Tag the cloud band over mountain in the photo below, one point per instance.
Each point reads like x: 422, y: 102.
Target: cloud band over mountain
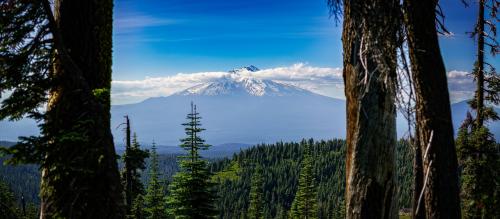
x: 322, y: 80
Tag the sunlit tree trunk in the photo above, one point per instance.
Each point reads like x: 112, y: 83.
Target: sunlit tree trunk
x: 369, y: 43
x: 433, y: 115
x: 80, y: 176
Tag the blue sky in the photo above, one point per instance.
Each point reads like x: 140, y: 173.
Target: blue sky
x: 170, y: 36
x: 161, y: 38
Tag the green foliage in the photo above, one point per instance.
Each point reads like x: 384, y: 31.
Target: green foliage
x: 231, y: 173
x: 304, y: 204
x: 480, y: 179
x: 256, y: 208
x: 190, y: 192
x: 281, y: 165
x: 404, y: 163
x: 25, y: 56
x: 137, y: 210
x: 153, y: 201
x: 102, y: 95
x: 8, y: 206
x: 135, y: 157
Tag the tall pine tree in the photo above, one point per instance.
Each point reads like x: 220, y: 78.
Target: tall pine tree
x: 304, y: 205
x: 477, y: 149
x: 191, y: 194
x: 154, y: 199
x: 255, y: 210
x: 134, y: 162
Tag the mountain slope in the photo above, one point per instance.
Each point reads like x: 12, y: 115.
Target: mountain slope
x: 240, y: 83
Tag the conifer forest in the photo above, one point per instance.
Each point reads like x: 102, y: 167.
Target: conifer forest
x: 362, y: 109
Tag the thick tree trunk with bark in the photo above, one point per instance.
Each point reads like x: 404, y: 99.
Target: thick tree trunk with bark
x: 80, y: 176
x: 433, y: 115
x: 369, y: 43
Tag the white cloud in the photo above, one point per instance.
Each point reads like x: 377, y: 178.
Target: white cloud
x: 461, y: 85
x: 325, y: 81
x: 320, y: 80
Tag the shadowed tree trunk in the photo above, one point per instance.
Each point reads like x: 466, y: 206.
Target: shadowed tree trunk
x: 480, y: 65
x: 418, y: 180
x: 369, y: 43
x: 128, y: 169
x: 80, y: 176
x: 433, y: 115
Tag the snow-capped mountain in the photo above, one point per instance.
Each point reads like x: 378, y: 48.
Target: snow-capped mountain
x: 237, y: 84
x: 235, y: 108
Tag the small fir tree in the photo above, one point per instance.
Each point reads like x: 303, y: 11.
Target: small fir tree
x: 478, y: 155
x: 191, y: 194
x: 255, y: 209
x: 304, y: 204
x: 137, y: 210
x: 154, y: 204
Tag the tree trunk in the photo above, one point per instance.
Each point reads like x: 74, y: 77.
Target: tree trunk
x: 369, y: 43
x: 433, y: 115
x: 80, y: 176
x: 480, y: 66
x: 128, y: 170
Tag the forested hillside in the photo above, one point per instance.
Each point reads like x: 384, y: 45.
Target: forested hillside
x: 281, y: 164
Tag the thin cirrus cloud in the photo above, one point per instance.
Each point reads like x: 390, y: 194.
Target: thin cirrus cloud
x: 321, y: 80
x: 134, y: 22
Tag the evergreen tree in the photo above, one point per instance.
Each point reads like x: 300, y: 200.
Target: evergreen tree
x: 485, y: 75
x: 134, y: 162
x: 8, y: 207
x: 153, y: 201
x: 478, y: 155
x: 305, y: 203
x: 477, y: 151
x: 255, y: 209
x: 191, y: 194
x: 137, y: 210
x: 58, y: 54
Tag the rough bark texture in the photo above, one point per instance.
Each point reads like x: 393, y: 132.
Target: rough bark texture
x: 80, y: 176
x: 369, y: 43
x: 433, y: 114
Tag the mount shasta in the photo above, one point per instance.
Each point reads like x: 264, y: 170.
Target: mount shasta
x: 235, y: 108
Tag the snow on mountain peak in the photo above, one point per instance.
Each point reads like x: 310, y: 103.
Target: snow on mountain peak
x: 250, y: 68
x: 236, y: 83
